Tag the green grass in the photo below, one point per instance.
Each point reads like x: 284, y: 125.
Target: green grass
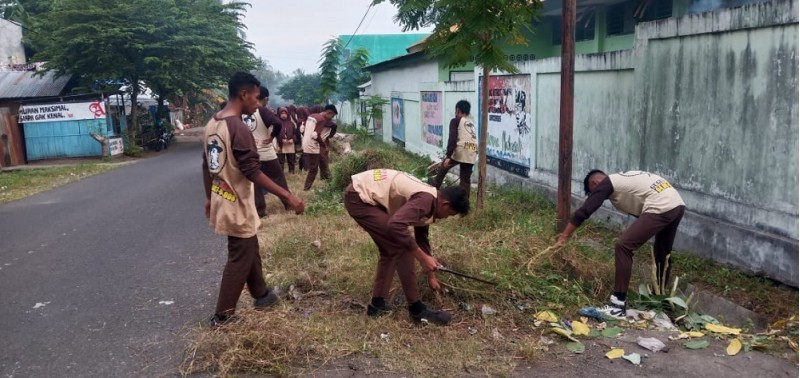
x: 25, y: 182
x: 498, y: 243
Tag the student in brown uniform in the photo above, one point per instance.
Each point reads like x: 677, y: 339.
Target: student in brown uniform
x: 315, y: 142
x: 286, y: 154
x: 302, y: 116
x: 266, y: 131
x: 659, y: 209
x: 230, y: 168
x: 386, y: 203
x: 462, y: 147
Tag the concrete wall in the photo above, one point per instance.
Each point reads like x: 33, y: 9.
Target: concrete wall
x: 11, y: 49
x: 708, y: 100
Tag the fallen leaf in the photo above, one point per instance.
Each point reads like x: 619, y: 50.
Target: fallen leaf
x: 696, y: 344
x: 734, y: 347
x: 615, y: 353
x: 722, y: 329
x: 580, y: 328
x: 585, y: 320
x: 695, y: 334
x: 634, y: 358
x: 546, y: 316
x: 576, y: 348
x: 611, y: 332
x: 565, y: 333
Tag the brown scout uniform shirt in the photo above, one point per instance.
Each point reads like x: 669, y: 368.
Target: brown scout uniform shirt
x: 632, y: 192
x: 407, y: 200
x: 231, y: 160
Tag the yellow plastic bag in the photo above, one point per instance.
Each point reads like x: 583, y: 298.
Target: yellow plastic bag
x: 734, y: 347
x: 722, y: 329
x: 580, y: 328
x: 615, y: 353
x: 546, y: 316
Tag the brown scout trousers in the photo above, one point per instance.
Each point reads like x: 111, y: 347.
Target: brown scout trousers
x: 243, y: 266
x: 664, y: 227
x: 316, y: 163
x: 287, y: 158
x: 273, y: 170
x: 464, y: 174
x: 392, y: 255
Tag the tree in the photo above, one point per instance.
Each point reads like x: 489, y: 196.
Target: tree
x: 471, y: 28
x: 171, y: 45
x: 272, y: 79
x: 303, y: 89
x: 353, y: 74
x: 329, y: 66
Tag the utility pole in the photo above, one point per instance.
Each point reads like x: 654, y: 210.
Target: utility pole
x: 564, y: 199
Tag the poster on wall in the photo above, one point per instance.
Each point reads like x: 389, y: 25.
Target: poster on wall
x: 432, y: 127
x: 62, y: 112
x: 398, y: 120
x: 508, y: 145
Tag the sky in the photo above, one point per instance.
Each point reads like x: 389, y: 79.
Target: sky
x: 290, y: 34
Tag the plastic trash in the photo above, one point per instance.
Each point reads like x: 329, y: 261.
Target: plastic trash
x: 651, y: 343
x: 591, y: 312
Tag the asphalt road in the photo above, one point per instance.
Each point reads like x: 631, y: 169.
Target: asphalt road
x: 104, y: 277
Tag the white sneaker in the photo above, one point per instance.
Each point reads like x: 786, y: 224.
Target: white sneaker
x: 615, y: 308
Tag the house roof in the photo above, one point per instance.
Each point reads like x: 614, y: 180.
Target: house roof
x: 396, y: 61
x: 27, y: 84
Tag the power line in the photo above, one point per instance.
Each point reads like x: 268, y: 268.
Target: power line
x: 357, y: 27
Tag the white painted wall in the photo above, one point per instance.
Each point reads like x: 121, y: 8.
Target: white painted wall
x: 11, y: 49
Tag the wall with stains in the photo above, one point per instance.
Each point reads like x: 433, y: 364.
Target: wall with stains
x: 710, y: 101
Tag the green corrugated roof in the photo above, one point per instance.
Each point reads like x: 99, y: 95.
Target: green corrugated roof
x: 382, y: 47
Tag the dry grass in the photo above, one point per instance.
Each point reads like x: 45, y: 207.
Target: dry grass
x: 321, y: 321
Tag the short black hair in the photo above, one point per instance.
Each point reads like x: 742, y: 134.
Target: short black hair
x: 241, y: 81
x: 223, y: 104
x: 458, y: 197
x: 586, y: 180
x: 263, y: 92
x: 464, y: 106
x: 332, y: 108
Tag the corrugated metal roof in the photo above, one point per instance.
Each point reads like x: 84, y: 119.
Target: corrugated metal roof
x: 26, y: 84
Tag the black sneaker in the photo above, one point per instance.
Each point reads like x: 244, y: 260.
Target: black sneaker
x: 375, y: 312
x: 268, y: 300
x: 432, y: 316
x: 219, y: 320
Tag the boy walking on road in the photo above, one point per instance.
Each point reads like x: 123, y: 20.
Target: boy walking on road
x: 230, y: 168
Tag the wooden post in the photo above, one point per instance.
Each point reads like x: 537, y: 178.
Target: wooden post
x: 564, y: 200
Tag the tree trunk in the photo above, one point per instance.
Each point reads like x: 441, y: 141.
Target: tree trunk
x: 135, y: 107
x: 482, y: 139
x: 565, y: 136
x: 160, y: 112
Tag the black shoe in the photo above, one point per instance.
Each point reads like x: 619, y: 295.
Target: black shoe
x: 431, y: 316
x: 219, y: 320
x: 268, y: 300
x: 375, y: 312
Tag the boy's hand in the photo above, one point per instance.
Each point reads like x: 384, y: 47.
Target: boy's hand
x: 561, y: 239
x: 297, y: 204
x: 433, y: 282
x: 208, y: 209
x: 429, y: 263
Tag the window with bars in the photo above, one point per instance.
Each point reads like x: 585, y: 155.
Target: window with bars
x: 619, y: 18
x: 656, y: 10
x: 584, y: 28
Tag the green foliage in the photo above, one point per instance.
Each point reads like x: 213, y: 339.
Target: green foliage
x: 469, y: 28
x: 272, y: 79
x: 374, y: 109
x: 174, y: 46
x: 353, y: 74
x: 329, y: 66
x: 302, y: 88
